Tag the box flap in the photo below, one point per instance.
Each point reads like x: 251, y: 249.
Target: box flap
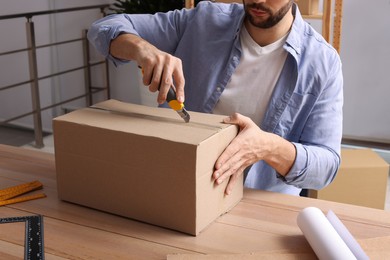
x: 148, y: 121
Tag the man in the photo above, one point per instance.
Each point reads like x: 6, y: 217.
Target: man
x: 260, y: 63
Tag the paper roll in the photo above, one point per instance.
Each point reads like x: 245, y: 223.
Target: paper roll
x: 346, y: 236
x: 322, y: 237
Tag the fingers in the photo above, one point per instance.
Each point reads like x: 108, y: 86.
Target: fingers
x: 238, y: 119
x: 230, y: 169
x: 159, y: 72
x: 164, y: 83
x: 231, y: 176
x: 239, y: 154
x: 160, y: 68
x: 179, y: 82
x: 236, y: 144
x: 232, y: 182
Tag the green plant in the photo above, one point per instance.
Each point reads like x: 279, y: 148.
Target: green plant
x: 146, y: 6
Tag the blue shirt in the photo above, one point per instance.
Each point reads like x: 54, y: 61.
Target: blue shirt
x: 305, y: 108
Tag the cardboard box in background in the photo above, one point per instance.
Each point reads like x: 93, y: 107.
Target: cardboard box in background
x: 361, y: 180
x: 308, y: 7
x: 144, y: 163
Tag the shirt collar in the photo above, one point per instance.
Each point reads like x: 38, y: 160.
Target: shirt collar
x: 239, y: 24
x: 294, y: 38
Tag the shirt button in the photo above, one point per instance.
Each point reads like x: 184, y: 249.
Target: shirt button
x: 235, y: 60
x: 219, y: 89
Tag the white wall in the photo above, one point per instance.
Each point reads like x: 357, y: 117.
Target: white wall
x: 365, y: 52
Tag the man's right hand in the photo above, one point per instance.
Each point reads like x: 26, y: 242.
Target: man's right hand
x: 161, y: 70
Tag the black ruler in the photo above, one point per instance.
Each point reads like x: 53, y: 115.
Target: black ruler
x: 33, y: 242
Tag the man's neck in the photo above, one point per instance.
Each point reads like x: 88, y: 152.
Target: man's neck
x: 264, y: 37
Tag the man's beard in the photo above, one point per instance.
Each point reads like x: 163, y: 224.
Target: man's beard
x: 273, y: 18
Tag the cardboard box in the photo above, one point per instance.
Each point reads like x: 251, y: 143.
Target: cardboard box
x: 361, y: 180
x: 144, y: 163
x: 308, y: 7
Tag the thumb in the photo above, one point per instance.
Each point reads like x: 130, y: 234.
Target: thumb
x: 236, y: 119
x: 231, y: 119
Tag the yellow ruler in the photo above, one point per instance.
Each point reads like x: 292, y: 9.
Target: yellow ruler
x: 10, y: 195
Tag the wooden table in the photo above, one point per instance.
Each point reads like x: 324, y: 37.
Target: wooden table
x: 263, y: 223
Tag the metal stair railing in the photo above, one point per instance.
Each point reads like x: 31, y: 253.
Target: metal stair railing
x: 90, y: 90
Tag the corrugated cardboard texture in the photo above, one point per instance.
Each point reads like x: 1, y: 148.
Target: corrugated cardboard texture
x: 144, y: 163
x: 361, y: 180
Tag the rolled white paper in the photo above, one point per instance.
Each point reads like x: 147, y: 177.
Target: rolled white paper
x: 322, y: 237
x: 346, y: 236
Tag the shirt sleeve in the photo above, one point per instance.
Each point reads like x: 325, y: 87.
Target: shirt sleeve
x: 162, y: 30
x: 104, y: 30
x: 318, y: 151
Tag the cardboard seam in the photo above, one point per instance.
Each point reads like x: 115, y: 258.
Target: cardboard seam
x: 157, y: 118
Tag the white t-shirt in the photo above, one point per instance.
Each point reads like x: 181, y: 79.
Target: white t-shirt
x: 251, y: 85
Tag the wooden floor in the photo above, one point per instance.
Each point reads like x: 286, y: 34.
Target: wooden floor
x: 16, y: 136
